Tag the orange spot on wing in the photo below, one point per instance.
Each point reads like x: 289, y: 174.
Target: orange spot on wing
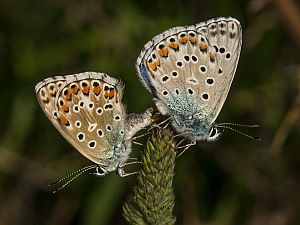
x: 183, y: 40
x: 67, y: 96
x: 110, y: 93
x: 64, y: 120
x: 152, y: 66
x: 163, y: 52
x: 64, y: 108
x: 174, y: 45
x: 86, y: 90
x: 212, y: 57
x: 193, y: 40
x: 203, y: 46
x: 74, y: 90
x: 97, y: 90
x: 157, y: 63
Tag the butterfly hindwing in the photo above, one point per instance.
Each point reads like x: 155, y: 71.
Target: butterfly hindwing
x: 189, y: 69
x: 86, y: 109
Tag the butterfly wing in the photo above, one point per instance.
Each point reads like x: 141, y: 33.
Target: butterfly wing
x: 86, y: 109
x: 190, y: 69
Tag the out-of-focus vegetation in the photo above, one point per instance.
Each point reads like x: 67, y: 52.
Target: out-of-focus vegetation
x: 232, y: 181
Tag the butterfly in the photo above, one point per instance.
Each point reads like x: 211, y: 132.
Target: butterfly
x: 87, y: 110
x: 189, y: 71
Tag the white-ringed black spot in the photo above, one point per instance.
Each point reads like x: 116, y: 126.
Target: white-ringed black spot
x: 92, y: 144
x: 73, y: 86
x: 172, y: 39
x: 117, y: 117
x: 59, y: 84
x: 61, y: 102
x: 209, y: 81
x: 66, y: 91
x: 100, y: 133
x: 194, y: 58
x: 161, y: 46
x: 212, y: 26
x: 202, y: 39
x: 51, y: 86
x: 174, y: 73
x: 84, y: 84
x: 179, y: 64
x: 77, y: 123
x: 122, y: 132
x: 192, y: 34
x: 202, y: 69
x: 165, y: 78
x: 190, y: 91
x: 108, y: 106
x: 205, y: 96
x: 177, y: 91
x: 80, y: 136
x: 227, y: 56
x: 222, y: 50
x: 99, y: 111
x: 182, y: 35
x: 165, y: 93
x: 108, y: 127
x: 106, y: 88
x: 55, y: 114
x: 186, y: 58
x: 96, y: 84
x: 220, y: 71
x: 222, y: 25
x: 153, y: 56
x: 76, y: 108
x: 91, y: 105
x: 81, y: 104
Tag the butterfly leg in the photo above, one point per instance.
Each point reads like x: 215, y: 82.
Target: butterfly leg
x: 122, y: 173
x: 121, y: 166
x: 159, y: 124
x: 185, y: 147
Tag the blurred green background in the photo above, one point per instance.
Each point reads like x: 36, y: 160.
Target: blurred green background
x: 232, y: 181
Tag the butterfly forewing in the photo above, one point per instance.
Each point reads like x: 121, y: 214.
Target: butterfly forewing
x: 190, y: 69
x: 86, y: 109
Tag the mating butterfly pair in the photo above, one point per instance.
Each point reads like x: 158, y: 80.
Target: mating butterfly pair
x: 189, y: 71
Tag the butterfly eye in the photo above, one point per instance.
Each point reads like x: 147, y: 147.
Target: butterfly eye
x: 213, y: 134
x: 100, y: 171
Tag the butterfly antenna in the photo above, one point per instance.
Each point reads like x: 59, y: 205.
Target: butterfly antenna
x: 72, y: 177
x: 239, y: 125
x: 239, y: 132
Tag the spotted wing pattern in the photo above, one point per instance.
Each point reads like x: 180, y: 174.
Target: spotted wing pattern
x: 189, y: 69
x: 86, y: 109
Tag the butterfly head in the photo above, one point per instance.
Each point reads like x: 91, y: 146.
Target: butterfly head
x: 196, y: 129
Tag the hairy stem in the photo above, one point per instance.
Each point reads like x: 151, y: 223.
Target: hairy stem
x: 152, y: 199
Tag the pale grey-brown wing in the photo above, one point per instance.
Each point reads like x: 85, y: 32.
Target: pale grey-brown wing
x: 86, y: 109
